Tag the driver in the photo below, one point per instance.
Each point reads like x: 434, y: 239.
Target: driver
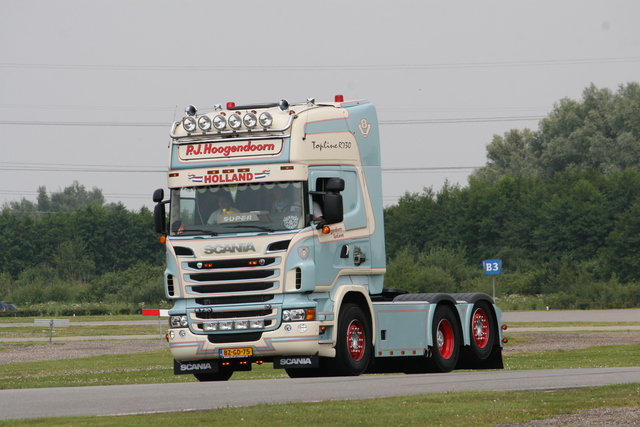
x: 224, y: 202
x: 282, y: 203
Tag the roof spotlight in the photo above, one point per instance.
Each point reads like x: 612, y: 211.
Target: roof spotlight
x: 204, y: 123
x: 219, y: 122
x: 266, y: 119
x: 250, y: 120
x: 235, y: 121
x: 189, y: 124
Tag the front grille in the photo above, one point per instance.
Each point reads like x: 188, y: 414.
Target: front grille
x: 170, y: 288
x: 232, y: 275
x: 232, y: 287
x: 233, y: 300
x: 237, y: 314
x: 182, y: 251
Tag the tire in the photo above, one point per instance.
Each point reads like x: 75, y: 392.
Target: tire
x: 223, y: 375
x: 353, y: 346
x: 483, y: 331
x: 446, y: 339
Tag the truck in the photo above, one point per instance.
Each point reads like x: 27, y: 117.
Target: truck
x: 275, y: 252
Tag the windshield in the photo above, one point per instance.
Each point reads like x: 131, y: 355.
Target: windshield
x: 236, y: 208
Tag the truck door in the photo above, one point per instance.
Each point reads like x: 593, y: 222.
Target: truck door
x: 342, y: 252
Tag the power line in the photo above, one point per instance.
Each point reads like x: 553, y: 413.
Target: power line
x: 460, y: 120
x: 429, y: 169
x: 84, y: 107
x: 44, y: 167
x: 369, y: 67
x: 88, y: 124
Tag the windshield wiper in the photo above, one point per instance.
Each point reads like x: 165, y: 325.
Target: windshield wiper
x: 259, y: 227
x: 197, y: 230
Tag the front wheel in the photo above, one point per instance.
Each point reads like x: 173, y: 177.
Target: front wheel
x: 353, y: 347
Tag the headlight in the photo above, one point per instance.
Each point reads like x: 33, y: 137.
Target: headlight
x: 204, y: 123
x: 208, y: 327
x: 229, y: 325
x: 298, y: 314
x: 266, y: 120
x: 235, y: 121
x: 241, y: 324
x: 250, y: 120
x: 189, y: 124
x: 225, y: 326
x: 256, y: 324
x: 219, y: 122
x: 178, y: 321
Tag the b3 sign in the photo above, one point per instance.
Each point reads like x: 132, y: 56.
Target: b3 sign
x: 492, y: 266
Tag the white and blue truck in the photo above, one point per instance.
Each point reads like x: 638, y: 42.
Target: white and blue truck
x: 275, y: 250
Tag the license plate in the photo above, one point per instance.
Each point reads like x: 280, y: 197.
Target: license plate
x: 235, y: 352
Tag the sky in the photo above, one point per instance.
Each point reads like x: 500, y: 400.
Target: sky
x: 89, y: 89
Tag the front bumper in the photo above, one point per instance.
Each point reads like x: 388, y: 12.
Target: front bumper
x: 291, y: 338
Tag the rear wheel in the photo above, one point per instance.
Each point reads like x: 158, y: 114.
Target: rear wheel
x: 483, y: 330
x: 446, y: 337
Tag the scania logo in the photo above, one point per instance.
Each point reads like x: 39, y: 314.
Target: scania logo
x: 296, y: 361
x: 194, y: 366
x: 229, y: 248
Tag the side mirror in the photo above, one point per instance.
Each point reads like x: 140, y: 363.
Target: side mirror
x: 158, y: 195
x: 159, y: 212
x: 335, y: 185
x: 333, y: 210
x: 159, y: 217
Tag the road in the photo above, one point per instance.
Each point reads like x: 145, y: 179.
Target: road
x: 136, y: 399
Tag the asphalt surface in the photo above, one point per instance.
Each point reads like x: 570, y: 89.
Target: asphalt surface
x: 137, y: 399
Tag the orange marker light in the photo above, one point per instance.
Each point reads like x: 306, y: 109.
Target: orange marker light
x: 162, y: 239
x: 326, y: 229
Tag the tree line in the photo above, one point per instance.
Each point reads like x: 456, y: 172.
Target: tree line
x: 72, y: 247
x: 559, y: 205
